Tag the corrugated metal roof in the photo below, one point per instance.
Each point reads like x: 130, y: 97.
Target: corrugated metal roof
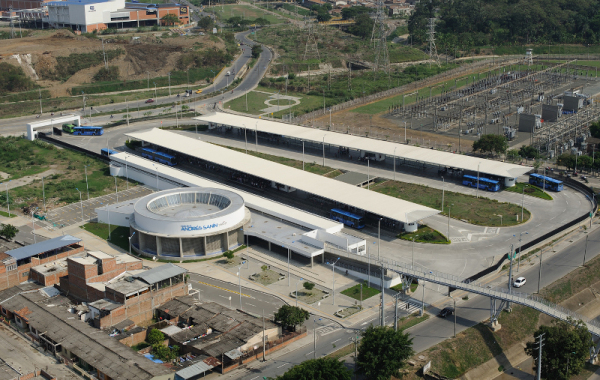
x: 370, y: 201
x: 194, y: 370
x: 390, y: 149
x: 44, y: 246
x: 154, y: 275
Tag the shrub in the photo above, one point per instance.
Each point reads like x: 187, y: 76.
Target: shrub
x: 155, y: 337
x: 308, y: 285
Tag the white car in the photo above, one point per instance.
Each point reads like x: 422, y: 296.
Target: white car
x: 519, y: 282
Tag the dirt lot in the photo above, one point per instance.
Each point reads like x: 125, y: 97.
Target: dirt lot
x: 153, y: 53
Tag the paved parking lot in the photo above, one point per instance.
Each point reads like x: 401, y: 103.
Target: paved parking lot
x: 85, y: 211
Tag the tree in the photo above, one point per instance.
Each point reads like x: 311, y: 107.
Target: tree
x: 291, y: 316
x: 169, y: 19
x: 363, y: 26
x: 256, y: 50
x: 323, y: 17
x: 165, y: 353
x: 229, y: 255
x: 512, y: 154
x: 319, y: 369
x: 564, y: 340
x: 528, y: 151
x: 584, y: 162
x: 8, y: 231
x: 308, y: 285
x: 382, y: 352
x: 566, y: 159
x: 107, y: 74
x: 262, y: 21
x: 155, y: 336
x: 491, y: 143
x: 206, y: 23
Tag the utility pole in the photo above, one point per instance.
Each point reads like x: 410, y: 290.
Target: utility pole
x: 539, y: 361
x: 263, y: 318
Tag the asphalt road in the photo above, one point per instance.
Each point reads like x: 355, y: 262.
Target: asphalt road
x: 425, y: 334
x: 16, y: 126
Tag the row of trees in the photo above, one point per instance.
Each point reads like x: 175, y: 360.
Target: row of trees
x: 239, y: 22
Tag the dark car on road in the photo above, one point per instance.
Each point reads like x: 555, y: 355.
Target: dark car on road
x: 446, y: 312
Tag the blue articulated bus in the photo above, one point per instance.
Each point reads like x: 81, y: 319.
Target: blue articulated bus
x: 348, y: 218
x: 484, y: 183
x: 161, y: 157
x: 107, y: 152
x: 88, y: 131
x: 547, y: 182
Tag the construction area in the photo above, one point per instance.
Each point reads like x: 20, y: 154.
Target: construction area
x: 549, y: 106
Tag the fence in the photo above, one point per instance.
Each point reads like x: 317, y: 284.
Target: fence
x: 44, y: 136
x: 589, y: 193
x: 406, y: 88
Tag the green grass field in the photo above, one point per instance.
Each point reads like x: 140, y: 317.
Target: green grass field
x: 527, y: 189
x: 256, y: 102
x: 296, y: 9
x: 385, y: 104
x: 20, y: 157
x: 479, y: 211
x: 245, y: 11
x: 425, y: 234
x: 119, y: 236
x: 367, y: 292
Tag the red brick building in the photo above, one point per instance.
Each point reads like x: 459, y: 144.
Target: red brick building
x: 16, y: 264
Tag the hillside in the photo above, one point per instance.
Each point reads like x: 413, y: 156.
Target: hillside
x: 469, y: 23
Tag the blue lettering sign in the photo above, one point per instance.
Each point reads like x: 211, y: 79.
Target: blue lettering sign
x: 199, y: 228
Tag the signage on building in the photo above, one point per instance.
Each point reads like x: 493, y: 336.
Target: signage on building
x: 92, y: 8
x: 188, y: 227
x: 183, y: 10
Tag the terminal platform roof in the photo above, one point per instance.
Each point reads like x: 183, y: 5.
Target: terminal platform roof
x: 429, y: 156
x: 371, y: 201
x: 255, y: 202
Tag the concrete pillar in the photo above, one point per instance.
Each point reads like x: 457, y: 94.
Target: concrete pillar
x: 269, y: 246
x: 180, y: 248
x: 204, y: 240
x: 158, y: 246
x: 323, y: 258
x: 312, y: 262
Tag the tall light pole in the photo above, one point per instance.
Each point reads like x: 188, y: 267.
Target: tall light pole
x: 300, y: 280
x: 156, y: 169
x: 520, y: 247
x: 379, y: 238
x: 246, y: 137
x: 116, y: 190
x: 86, y: 181
x: 405, y: 132
x: 454, y: 299
x: 443, y: 191
x: 130, y: 242
x: 33, y: 227
x: 315, y: 339
x: 80, y: 204
x: 323, y: 150
x: 523, y: 203
x: 448, y: 223
x: 126, y: 172
x: 239, y: 273
x: 333, y: 272
x: 44, y: 193
x: 169, y: 83
x: 395, y: 166
x: 477, y: 189
x: 7, y: 200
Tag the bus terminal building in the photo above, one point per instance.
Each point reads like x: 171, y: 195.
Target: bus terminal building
x: 390, y: 154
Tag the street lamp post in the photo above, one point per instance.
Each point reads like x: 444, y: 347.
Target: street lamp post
x: 7, y: 199
x: 520, y: 247
x: 333, y: 273
x: 379, y: 238
x: 315, y: 339
x: 33, y: 227
x: 395, y: 165
x: 126, y: 172
x: 443, y: 192
x: 300, y: 280
x: 323, y: 150
x: 80, y: 203
x: 156, y: 169
x: 239, y: 273
x: 454, y: 299
x: 44, y: 194
x: 116, y: 189
x: 86, y: 181
x: 477, y: 190
x: 130, y: 242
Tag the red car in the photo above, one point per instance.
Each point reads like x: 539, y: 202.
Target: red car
x: 150, y: 101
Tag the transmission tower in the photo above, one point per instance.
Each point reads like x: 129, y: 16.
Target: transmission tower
x: 312, y: 49
x: 382, y: 58
x: 433, y: 54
